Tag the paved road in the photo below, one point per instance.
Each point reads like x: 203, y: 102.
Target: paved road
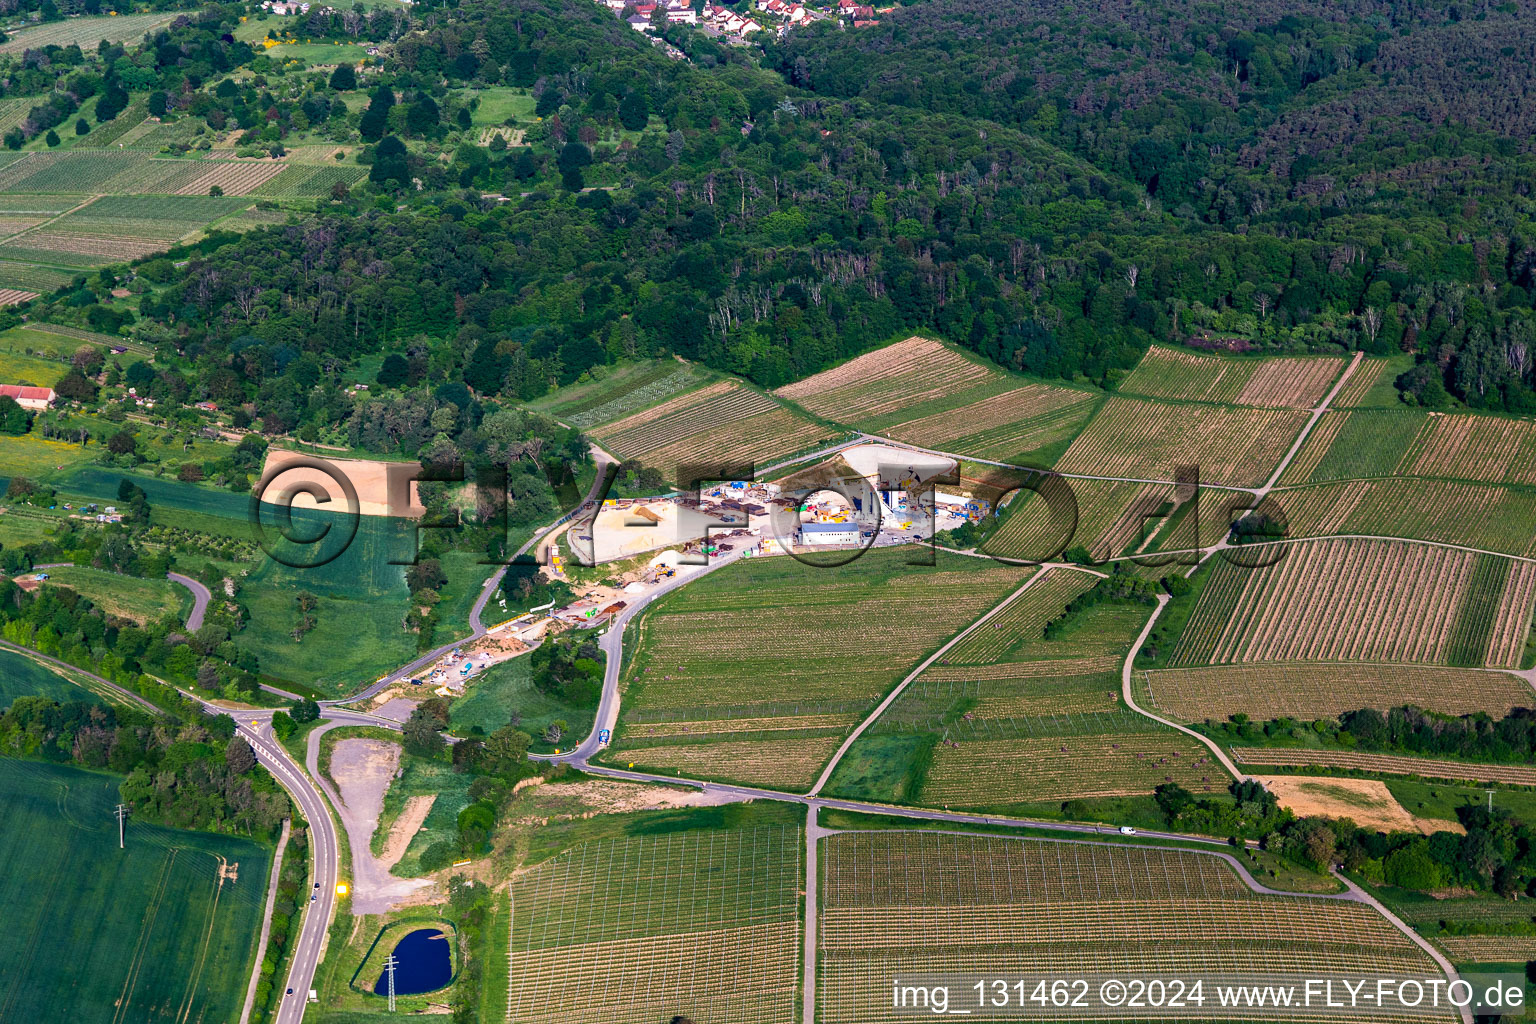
x: 200, y: 598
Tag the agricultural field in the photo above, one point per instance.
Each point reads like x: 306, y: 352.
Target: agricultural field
x: 307, y: 181
x: 161, y: 931
x: 36, y: 456
x: 702, y: 924
x: 888, y: 384
x: 801, y: 651
x: 1490, y: 516
x: 127, y: 597
x: 1386, y: 764
x: 1112, y: 518
x: 1148, y: 440
x: 1488, y: 949
x: 988, y: 762
x: 621, y: 391
x: 913, y: 903
x: 1373, y: 385
x: 1030, y: 421
x: 722, y: 424
x: 496, y: 105
x: 1473, y: 447
x: 87, y: 32
x: 27, y: 277
x: 1179, y: 375
x: 1022, y: 620
x: 20, y: 676
x: 17, y: 368
x: 1364, y: 600
x: 1310, y: 690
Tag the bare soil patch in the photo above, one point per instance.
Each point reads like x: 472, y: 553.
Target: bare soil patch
x: 1367, y: 802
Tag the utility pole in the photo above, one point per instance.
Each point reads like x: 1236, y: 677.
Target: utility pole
x: 1490, y: 801
x: 389, y: 970
x: 122, y: 812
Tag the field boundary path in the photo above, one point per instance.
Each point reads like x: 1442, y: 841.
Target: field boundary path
x: 129, y: 694
x: 1128, y: 669
x: 200, y: 599
x: 266, y: 923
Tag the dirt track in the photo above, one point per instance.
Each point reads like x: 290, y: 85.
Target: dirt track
x: 363, y: 769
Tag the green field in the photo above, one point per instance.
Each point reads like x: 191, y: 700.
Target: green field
x: 148, y: 933
x: 504, y: 690
x: 20, y: 676
x: 35, y: 456
x: 1357, y: 443
x: 16, y: 368
x: 499, y: 103
x: 126, y: 596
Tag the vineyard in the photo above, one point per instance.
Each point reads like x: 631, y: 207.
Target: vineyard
x: 621, y: 392
x: 724, y: 424
x: 1490, y: 516
x: 1488, y: 949
x: 1362, y: 600
x: 1034, y: 760
x: 1004, y: 426
x: 1111, y: 517
x: 702, y: 924
x: 1474, y: 448
x: 306, y: 181
x: 1022, y: 620
x: 1147, y: 440
x: 908, y: 904
x: 1175, y: 374
x: 1310, y: 690
x: 1387, y: 764
x: 732, y: 646
x: 1348, y: 445
x: 86, y: 33
x: 790, y: 763
x: 890, y: 380
x: 233, y: 179
x: 118, y: 227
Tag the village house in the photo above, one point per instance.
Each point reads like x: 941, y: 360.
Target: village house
x: 28, y: 397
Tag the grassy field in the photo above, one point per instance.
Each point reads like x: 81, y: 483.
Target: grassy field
x: 915, y: 903
x: 420, y: 778
x: 779, y: 658
x: 35, y: 456
x: 151, y: 933
x: 1177, y: 374
x: 698, y: 923
x: 20, y: 676
x: 126, y: 596
x: 499, y: 103
x: 506, y: 690
x: 16, y: 368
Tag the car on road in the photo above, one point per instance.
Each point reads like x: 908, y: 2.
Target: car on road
x: 290, y: 991
x: 1126, y: 830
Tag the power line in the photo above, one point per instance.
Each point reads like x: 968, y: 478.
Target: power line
x: 389, y: 971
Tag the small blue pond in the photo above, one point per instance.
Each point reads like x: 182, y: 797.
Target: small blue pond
x: 424, y: 962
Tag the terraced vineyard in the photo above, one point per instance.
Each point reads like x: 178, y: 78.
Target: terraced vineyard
x: 1358, y: 600
x: 703, y: 924
x: 1311, y: 690
x: 909, y: 904
x: 1491, y: 516
x: 723, y: 424
x: 1388, y: 764
x: 1170, y: 373
x: 1148, y: 440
